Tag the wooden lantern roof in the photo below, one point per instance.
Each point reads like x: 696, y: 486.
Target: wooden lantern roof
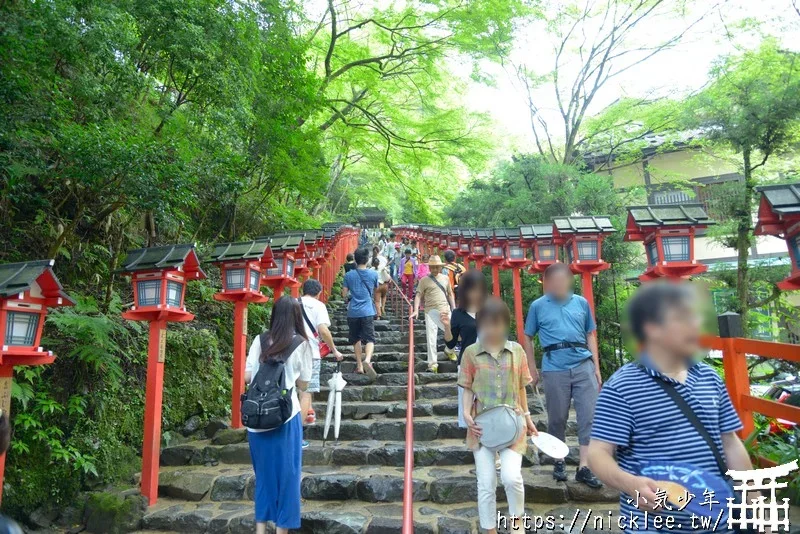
x: 286, y: 242
x: 483, y: 234
x: 16, y: 278
x: 582, y: 225
x: 240, y: 250
x: 779, y: 207
x: 642, y: 219
x: 168, y: 257
x: 536, y: 231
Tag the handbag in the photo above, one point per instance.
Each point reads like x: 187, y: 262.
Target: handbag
x: 501, y: 427
x: 687, y: 411
x: 324, y: 349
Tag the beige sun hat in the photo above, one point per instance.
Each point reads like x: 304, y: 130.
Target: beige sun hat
x: 435, y: 261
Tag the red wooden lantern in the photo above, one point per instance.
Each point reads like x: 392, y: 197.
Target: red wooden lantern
x: 583, y: 242
x: 241, y: 265
x: 496, y: 256
x: 516, y: 259
x: 452, y: 239
x: 282, y: 250
x: 464, y: 240
x: 779, y: 215
x: 545, y: 250
x: 480, y: 239
x: 27, y: 289
x: 159, y: 276
x: 442, y: 235
x: 667, y: 232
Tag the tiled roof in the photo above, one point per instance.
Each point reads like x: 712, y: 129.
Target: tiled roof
x: 669, y: 215
x: 784, y: 199
x: 583, y: 224
x: 168, y: 256
x: 241, y: 250
x: 19, y: 277
x: 536, y: 231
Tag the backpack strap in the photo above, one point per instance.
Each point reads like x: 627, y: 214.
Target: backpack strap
x: 687, y: 411
x: 265, y: 341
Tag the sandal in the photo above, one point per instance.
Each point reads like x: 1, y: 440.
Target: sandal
x: 433, y: 368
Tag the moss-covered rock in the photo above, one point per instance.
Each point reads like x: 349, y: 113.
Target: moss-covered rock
x: 114, y: 513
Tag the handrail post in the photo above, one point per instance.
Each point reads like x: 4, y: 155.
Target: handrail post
x: 734, y: 363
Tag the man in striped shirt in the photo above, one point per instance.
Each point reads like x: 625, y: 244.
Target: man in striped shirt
x: 635, y: 420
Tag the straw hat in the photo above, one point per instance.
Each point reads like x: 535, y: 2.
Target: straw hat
x: 435, y: 261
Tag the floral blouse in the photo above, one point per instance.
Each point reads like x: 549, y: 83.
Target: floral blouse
x: 494, y: 381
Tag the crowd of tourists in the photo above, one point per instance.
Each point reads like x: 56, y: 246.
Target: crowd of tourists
x: 633, y: 418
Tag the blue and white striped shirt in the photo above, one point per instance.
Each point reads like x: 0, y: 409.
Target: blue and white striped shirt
x: 637, y: 416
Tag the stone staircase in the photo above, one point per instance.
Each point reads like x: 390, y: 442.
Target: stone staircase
x: 356, y: 485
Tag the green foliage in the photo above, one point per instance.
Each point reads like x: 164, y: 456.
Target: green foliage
x: 530, y: 189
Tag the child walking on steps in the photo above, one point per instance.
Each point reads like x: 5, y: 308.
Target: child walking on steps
x: 494, y: 373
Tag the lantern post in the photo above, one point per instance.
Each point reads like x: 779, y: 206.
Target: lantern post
x: 480, y: 238
x: 668, y: 233
x: 779, y: 216
x: 281, y: 253
x: 463, y: 250
x: 242, y: 267
x: 301, y: 269
x: 517, y: 259
x: 27, y: 290
x: 159, y: 276
x: 583, y: 242
x: 495, y: 256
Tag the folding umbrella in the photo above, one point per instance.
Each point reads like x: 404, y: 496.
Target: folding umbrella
x: 335, y: 385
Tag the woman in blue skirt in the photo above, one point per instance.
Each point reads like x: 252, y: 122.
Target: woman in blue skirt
x: 277, y: 454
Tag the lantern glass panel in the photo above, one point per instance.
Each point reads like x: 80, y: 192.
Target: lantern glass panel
x: 174, y: 293
x: 652, y: 253
x: 254, y: 279
x: 794, y: 242
x: 278, y: 269
x: 465, y: 247
x: 478, y: 249
x: 547, y: 252
x: 234, y: 278
x: 676, y: 248
x: 587, y: 250
x: 516, y: 253
x: 149, y: 292
x: 570, y: 254
x: 496, y: 252
x: 21, y: 328
x: 454, y: 244
x: 290, y: 268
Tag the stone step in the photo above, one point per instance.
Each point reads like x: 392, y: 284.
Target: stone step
x: 369, y: 483
x: 378, y: 442
x: 340, y: 517
x: 397, y: 410
x: 353, y: 393
x: 393, y: 379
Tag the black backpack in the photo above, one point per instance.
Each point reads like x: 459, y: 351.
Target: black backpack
x: 267, y: 404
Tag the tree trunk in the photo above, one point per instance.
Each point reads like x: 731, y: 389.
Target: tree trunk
x: 743, y: 239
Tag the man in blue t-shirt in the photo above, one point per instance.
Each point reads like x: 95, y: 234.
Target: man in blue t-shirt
x: 359, y: 286
x: 636, y: 421
x: 570, y: 362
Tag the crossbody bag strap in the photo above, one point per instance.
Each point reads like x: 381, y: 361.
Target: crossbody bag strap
x: 305, y: 316
x: 687, y: 411
x: 364, y: 283
x: 440, y: 286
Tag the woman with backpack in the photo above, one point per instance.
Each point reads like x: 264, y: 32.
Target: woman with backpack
x: 283, y: 352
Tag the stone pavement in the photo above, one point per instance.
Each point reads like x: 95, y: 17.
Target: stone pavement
x: 355, y: 485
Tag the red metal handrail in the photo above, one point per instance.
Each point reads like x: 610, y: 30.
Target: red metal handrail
x: 734, y: 361
x: 398, y: 297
